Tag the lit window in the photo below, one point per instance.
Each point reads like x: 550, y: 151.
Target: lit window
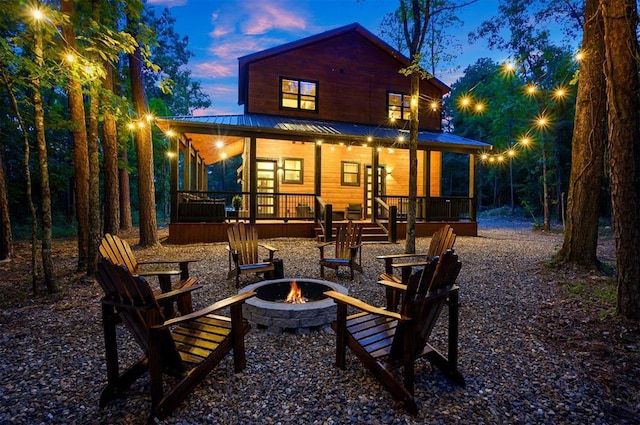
x: 398, y: 106
x: 293, y: 171
x: 298, y: 94
x: 350, y: 173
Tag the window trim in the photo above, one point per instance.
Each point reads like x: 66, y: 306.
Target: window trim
x: 404, y: 98
x: 299, y: 95
x: 342, y: 173
x: 301, y: 171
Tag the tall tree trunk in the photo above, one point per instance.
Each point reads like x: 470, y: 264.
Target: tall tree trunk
x: 144, y: 144
x: 80, y: 145
x: 587, y: 148
x: 47, y: 259
x: 94, y: 181
x: 125, y: 193
x: 621, y: 72
x: 110, y: 164
x: 410, y: 243
x: 27, y: 173
x: 6, y: 238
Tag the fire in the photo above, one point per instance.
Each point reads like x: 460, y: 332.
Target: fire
x: 295, y: 295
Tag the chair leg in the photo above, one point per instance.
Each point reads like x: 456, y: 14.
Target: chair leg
x: 341, y: 332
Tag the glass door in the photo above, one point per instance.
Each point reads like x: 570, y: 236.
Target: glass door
x: 368, y: 188
x: 266, y: 180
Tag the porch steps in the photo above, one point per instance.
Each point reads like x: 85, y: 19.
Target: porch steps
x: 371, y: 232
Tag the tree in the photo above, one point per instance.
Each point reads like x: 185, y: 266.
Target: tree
x: 620, y: 19
x: 414, y: 17
x: 80, y: 142
x: 588, y: 146
x: 144, y: 147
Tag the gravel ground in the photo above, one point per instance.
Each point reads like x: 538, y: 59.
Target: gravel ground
x: 52, y: 367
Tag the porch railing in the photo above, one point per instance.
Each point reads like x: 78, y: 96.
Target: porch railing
x: 432, y: 208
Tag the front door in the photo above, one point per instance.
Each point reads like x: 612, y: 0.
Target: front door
x: 368, y: 188
x: 266, y: 180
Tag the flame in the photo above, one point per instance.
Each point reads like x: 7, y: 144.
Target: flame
x: 295, y: 295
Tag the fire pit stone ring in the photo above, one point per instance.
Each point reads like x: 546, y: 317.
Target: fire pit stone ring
x: 269, y: 311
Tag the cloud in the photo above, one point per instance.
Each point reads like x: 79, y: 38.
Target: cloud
x: 234, y: 46
x: 212, y: 69
x: 264, y: 17
x: 167, y: 3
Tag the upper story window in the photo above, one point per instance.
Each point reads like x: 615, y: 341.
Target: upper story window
x: 398, y: 106
x: 298, y: 94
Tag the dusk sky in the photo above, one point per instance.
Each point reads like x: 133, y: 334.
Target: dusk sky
x: 221, y: 31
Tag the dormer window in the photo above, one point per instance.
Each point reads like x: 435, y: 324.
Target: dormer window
x: 298, y: 94
x: 398, y: 106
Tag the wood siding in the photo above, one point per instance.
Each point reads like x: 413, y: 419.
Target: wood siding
x: 353, y: 76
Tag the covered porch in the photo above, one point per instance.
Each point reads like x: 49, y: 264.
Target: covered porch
x: 296, y: 178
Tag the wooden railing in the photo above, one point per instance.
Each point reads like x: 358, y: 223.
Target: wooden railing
x: 325, y: 218
x: 387, y: 218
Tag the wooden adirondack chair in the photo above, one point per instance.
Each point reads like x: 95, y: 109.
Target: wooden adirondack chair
x: 348, y: 249
x: 119, y: 252
x: 187, y: 347
x: 386, y: 341
x: 442, y: 239
x: 243, y: 252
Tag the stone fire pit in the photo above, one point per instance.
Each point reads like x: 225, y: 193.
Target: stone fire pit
x: 269, y: 311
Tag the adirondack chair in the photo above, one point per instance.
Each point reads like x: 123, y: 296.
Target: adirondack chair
x: 119, y: 252
x: 348, y: 249
x: 442, y: 239
x: 243, y: 252
x: 387, y: 341
x: 187, y: 347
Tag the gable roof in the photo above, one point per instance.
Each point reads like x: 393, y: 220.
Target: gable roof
x: 245, y: 61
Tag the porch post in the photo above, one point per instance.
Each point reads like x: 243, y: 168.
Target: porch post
x: 473, y: 201
x: 317, y: 188
x: 186, y: 177
x: 427, y: 184
x: 173, y: 179
x: 253, y: 182
x: 375, y: 161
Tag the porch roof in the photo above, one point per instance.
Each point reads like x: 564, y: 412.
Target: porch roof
x: 286, y: 128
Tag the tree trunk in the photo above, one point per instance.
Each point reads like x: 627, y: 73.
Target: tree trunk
x: 80, y: 146
x: 94, y: 181
x: 587, y: 148
x: 6, y: 238
x: 27, y: 173
x: 110, y: 164
x: 621, y: 72
x: 125, y: 193
x: 410, y: 243
x: 38, y: 121
x: 144, y: 144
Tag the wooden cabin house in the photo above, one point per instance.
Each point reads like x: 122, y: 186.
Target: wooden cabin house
x: 324, y: 137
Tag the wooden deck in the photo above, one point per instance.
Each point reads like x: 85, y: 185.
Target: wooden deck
x: 190, y: 233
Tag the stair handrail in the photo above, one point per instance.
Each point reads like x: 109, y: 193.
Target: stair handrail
x: 325, y: 218
x: 391, y: 226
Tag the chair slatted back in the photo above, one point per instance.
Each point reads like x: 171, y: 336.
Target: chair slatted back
x: 134, y: 300
x: 119, y: 252
x: 243, y: 239
x: 442, y: 239
x: 424, y: 300
x: 348, y: 235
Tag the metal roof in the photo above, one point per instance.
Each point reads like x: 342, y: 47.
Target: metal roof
x: 311, y: 129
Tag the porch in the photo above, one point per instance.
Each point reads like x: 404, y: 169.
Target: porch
x: 204, y: 216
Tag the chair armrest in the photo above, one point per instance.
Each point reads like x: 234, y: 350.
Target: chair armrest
x: 361, y: 305
x: 323, y: 244
x: 167, y: 261
x: 412, y: 264
x: 268, y: 247
x: 394, y: 285
x: 227, y: 302
x: 177, y: 292
x: 157, y: 273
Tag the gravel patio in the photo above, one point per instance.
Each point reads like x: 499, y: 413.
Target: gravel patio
x: 526, y: 348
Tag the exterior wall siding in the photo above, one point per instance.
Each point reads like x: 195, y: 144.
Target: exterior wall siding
x: 353, y: 76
